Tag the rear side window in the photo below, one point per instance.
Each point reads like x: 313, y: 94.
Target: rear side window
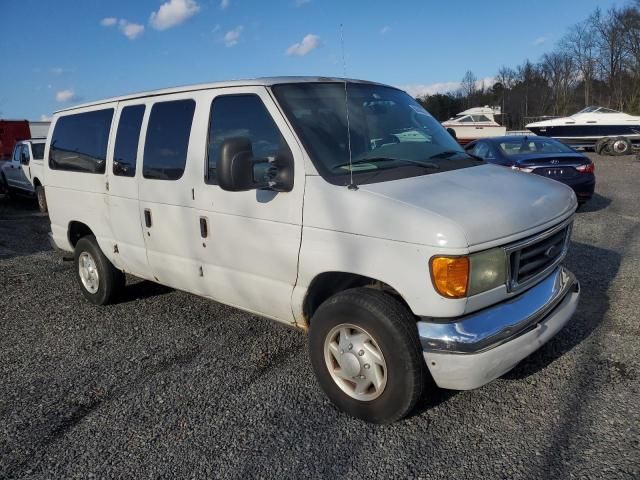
x: 165, y: 149
x: 125, y: 151
x: 241, y: 116
x: 37, y: 149
x: 79, y: 142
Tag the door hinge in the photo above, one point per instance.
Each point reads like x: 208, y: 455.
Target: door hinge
x: 201, y: 271
x: 115, y: 248
x: 106, y: 185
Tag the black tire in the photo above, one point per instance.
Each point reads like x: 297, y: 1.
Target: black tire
x: 111, y: 281
x: 393, y: 328
x: 42, y: 200
x: 620, y: 146
x: 452, y: 132
x: 602, y: 146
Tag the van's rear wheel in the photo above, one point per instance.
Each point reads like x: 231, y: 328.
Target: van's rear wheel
x: 42, y: 200
x: 99, y: 280
x: 366, y: 354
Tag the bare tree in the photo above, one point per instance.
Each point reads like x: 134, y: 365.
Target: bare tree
x: 580, y: 44
x: 468, y: 86
x: 558, y: 69
x: 506, y: 78
x: 611, y: 51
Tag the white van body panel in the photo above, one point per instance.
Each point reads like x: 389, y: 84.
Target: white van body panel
x: 123, y: 206
x: 79, y: 197
x: 250, y: 256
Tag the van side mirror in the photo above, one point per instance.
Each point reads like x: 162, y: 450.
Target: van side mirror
x: 238, y: 170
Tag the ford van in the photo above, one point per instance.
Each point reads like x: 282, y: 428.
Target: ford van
x: 339, y: 207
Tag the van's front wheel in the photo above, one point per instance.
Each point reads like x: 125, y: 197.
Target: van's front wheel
x: 366, y: 354
x: 99, y: 280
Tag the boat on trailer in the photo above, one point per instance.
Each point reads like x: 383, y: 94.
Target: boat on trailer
x: 475, y: 123
x: 592, y: 127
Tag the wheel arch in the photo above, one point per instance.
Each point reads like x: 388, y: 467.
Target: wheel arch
x: 326, y: 284
x: 76, y: 231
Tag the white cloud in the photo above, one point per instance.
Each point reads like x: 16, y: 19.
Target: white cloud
x: 45, y: 118
x: 540, y: 40
x: 309, y: 42
x: 172, y: 13
x: 420, y: 90
x: 108, y: 21
x: 131, y: 30
x: 385, y: 29
x: 224, y: 4
x: 65, y: 95
x: 58, y: 70
x: 232, y: 36
x: 300, y: 3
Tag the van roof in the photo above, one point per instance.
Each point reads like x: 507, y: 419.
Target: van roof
x: 264, y: 81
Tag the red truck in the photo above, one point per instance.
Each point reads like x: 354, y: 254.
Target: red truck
x: 12, y: 131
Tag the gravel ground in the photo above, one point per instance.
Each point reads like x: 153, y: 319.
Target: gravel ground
x: 166, y: 384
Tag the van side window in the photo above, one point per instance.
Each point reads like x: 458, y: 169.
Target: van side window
x: 125, y: 151
x: 79, y: 142
x: 165, y: 148
x: 241, y: 116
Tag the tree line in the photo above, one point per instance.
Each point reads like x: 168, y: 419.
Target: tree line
x: 596, y: 62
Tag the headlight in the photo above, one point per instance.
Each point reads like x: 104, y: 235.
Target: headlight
x: 488, y: 270
x: 462, y: 276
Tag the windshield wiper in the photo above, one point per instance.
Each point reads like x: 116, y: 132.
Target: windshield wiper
x: 429, y: 165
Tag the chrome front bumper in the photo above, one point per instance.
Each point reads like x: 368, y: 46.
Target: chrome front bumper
x: 470, y: 351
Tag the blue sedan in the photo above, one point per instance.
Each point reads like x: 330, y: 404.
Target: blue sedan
x: 540, y: 156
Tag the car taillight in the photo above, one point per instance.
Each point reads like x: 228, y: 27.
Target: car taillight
x: 588, y: 168
x: 522, y: 169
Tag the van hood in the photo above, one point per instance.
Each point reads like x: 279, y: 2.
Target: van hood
x: 487, y: 202
x: 485, y: 205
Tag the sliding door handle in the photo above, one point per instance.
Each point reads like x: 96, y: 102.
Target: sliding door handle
x: 147, y: 217
x: 204, y: 228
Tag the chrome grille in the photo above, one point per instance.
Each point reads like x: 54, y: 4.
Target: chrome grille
x: 530, y: 259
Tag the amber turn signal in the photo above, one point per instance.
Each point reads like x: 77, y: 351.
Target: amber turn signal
x: 450, y: 276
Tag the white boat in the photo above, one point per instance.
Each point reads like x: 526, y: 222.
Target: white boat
x: 474, y: 123
x: 585, y: 128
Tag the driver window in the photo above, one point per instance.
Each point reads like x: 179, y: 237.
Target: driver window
x: 24, y: 156
x: 246, y: 116
x: 17, y: 152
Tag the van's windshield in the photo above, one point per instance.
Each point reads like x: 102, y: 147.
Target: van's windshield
x: 392, y: 136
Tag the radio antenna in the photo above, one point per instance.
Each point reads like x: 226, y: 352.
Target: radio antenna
x: 352, y: 186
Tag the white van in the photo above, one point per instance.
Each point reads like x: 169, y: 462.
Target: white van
x: 24, y: 172
x: 338, y: 207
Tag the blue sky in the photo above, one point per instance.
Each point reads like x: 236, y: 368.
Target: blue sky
x: 57, y: 53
